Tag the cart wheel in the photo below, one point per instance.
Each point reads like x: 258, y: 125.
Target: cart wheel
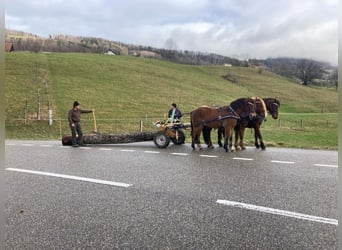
x: 161, y: 139
x: 181, y: 138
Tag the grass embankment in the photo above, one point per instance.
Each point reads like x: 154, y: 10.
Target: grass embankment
x: 125, y: 90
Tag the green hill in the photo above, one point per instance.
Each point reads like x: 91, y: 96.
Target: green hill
x: 124, y: 90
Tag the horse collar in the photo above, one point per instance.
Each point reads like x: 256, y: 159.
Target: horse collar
x: 234, y: 112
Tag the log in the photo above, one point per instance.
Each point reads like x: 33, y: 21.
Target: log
x: 111, y: 138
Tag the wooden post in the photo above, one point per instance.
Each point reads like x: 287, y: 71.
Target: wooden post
x: 25, y: 112
x: 38, y: 107
x: 50, y: 114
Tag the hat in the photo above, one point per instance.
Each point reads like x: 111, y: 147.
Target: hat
x: 76, y: 103
x: 174, y: 105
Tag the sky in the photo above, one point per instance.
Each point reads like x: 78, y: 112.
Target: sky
x: 241, y: 29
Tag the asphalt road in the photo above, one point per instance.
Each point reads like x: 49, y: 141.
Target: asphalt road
x: 136, y: 196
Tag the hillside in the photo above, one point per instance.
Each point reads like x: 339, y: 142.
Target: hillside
x: 124, y: 90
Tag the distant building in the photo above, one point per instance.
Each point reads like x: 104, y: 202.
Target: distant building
x: 9, y: 47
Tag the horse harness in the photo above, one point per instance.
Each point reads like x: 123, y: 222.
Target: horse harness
x: 231, y: 114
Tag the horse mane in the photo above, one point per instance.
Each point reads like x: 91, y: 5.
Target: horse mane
x: 239, y: 102
x: 258, y: 99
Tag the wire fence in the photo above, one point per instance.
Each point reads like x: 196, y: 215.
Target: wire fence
x: 58, y: 127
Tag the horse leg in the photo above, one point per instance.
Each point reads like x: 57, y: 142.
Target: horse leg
x: 257, y: 135
x: 206, y: 136
x: 237, y: 135
x: 220, y: 132
x: 228, y: 132
x: 196, y: 138
x: 242, y: 133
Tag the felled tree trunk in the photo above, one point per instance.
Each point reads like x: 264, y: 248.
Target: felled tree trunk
x: 111, y: 138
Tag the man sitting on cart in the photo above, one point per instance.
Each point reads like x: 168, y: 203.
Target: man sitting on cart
x: 174, y: 114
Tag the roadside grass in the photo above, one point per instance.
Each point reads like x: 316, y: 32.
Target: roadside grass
x: 126, y: 90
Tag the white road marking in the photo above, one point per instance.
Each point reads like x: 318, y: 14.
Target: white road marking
x: 10, y: 144
x: 209, y: 156
x: 70, y: 177
x: 105, y: 149
x: 27, y: 145
x: 278, y: 212
x: 151, y: 152
x: 127, y: 150
x: 283, y: 162
x: 45, y: 146
x: 84, y: 148
x: 183, y: 154
x: 243, y: 159
x: 326, y: 165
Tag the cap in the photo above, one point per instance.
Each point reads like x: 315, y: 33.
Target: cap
x: 76, y: 103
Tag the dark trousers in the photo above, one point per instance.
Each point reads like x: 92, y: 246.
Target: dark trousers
x: 77, y: 129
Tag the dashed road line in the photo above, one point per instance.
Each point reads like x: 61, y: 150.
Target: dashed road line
x: 283, y: 162
x: 326, y: 165
x: 158, y: 152
x: 182, y: 154
x: 243, y: 159
x: 105, y: 149
x: 71, y: 177
x: 127, y: 150
x: 209, y: 156
x: 279, y: 212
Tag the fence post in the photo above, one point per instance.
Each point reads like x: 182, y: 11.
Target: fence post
x: 141, y: 126
x: 38, y: 108
x: 50, y: 114
x: 25, y: 110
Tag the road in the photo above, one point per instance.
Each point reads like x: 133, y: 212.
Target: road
x: 136, y: 196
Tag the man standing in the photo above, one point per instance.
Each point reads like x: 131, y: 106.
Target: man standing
x: 74, y: 118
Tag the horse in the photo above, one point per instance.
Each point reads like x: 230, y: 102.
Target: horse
x: 272, y: 106
x: 226, y: 116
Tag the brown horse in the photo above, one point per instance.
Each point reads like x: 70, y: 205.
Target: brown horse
x: 272, y: 106
x: 226, y: 117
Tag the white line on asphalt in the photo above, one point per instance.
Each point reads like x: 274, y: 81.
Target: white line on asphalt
x: 209, y: 156
x: 105, y: 149
x: 151, y: 152
x: 27, y: 145
x: 243, y: 159
x: 46, y: 146
x: 284, y: 162
x: 71, y: 177
x: 84, y: 148
x: 127, y: 150
x: 10, y: 144
x: 184, y: 154
x: 278, y: 212
x: 326, y: 165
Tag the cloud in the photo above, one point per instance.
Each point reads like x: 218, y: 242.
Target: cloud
x: 260, y: 29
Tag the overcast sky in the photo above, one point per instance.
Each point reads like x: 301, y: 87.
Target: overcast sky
x: 237, y: 28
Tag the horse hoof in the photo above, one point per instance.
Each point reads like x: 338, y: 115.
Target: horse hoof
x: 243, y: 148
x: 211, y: 147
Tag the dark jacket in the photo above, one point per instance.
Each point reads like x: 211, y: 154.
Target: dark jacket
x: 178, y: 114
x: 74, y: 116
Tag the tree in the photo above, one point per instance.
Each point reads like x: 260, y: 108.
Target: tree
x: 308, y: 70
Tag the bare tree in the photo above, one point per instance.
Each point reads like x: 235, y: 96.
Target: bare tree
x: 308, y: 70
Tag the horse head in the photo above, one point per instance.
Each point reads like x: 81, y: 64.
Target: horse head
x: 272, y: 105
x: 244, y: 107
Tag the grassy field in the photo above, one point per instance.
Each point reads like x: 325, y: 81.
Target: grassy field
x: 126, y: 90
